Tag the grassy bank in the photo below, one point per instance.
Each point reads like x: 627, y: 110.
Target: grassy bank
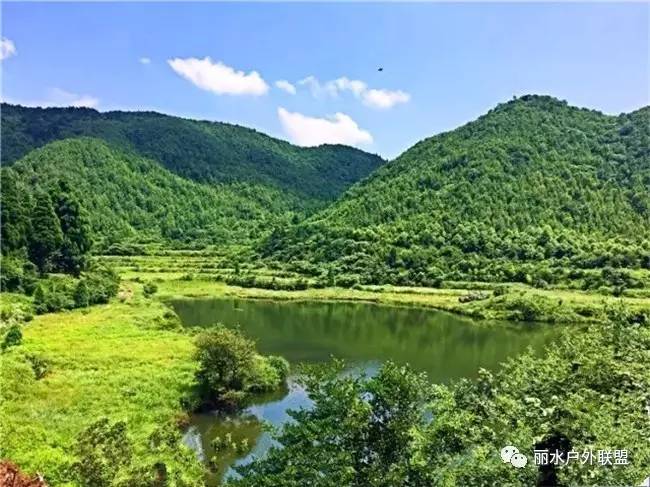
x: 515, y: 302
x: 115, y: 361
x: 206, y: 274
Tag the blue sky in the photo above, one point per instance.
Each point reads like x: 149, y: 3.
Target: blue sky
x: 443, y: 64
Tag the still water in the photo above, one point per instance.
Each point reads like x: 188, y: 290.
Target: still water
x: 445, y: 346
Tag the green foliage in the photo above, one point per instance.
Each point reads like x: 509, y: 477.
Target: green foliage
x: 149, y: 289
x: 395, y: 428
x: 230, y: 368
x: 81, y: 294
x: 59, y: 292
x: 40, y: 365
x: 15, y: 217
x: 145, y: 176
x: 45, y: 237
x: 526, y: 193
x: 103, y: 449
x: 267, y: 373
x: 106, y: 458
x: 17, y: 275
x: 204, y: 151
x: 13, y: 337
x: 75, y: 229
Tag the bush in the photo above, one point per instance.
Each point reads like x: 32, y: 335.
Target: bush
x: 468, y: 298
x: 281, y: 365
x: 501, y: 290
x: 226, y: 359
x: 40, y: 366
x: 64, y: 292
x: 13, y: 337
x: 17, y: 276
x: 230, y: 368
x: 149, y: 289
x: 81, y: 294
x: 54, y: 294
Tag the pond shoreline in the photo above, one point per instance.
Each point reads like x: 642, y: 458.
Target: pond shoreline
x: 518, y: 304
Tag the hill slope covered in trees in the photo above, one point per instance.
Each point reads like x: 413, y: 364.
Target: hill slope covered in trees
x: 127, y: 197
x: 531, y: 191
x: 209, y: 152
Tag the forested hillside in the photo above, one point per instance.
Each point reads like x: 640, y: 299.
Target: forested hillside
x: 127, y: 197
x: 533, y: 191
x: 210, y: 152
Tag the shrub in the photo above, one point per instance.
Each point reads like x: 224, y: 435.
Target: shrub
x: 468, y: 298
x: 13, y: 337
x: 17, y: 275
x: 40, y: 366
x: 230, y: 368
x: 226, y: 359
x: 149, y: 289
x: 501, y: 290
x: 81, y: 294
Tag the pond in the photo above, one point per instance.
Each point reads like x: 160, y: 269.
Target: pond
x: 445, y: 346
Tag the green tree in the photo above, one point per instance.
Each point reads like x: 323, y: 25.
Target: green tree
x: 14, y: 219
x: 45, y: 237
x: 75, y: 228
x: 81, y: 294
x: 226, y: 359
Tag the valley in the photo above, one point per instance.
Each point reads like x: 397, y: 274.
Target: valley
x: 170, y: 284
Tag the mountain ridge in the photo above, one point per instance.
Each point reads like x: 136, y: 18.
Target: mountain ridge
x: 532, y: 180
x: 204, y: 151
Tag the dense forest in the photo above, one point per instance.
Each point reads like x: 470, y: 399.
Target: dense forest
x: 534, y: 191
x: 209, y: 152
x: 131, y: 198
x: 145, y: 177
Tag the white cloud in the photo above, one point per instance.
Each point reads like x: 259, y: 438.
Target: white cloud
x: 284, y: 85
x: 7, y: 48
x: 311, y: 131
x: 145, y: 60
x: 59, y: 98
x: 372, y: 97
x: 313, y: 84
x: 356, y: 86
x: 384, y: 98
x: 219, y: 78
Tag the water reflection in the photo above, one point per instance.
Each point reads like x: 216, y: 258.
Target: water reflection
x: 445, y: 346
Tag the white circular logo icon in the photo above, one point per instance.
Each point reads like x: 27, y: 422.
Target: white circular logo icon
x: 518, y: 460
x: 507, y: 452
x: 511, y: 455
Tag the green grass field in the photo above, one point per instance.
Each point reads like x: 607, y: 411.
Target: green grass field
x: 109, y: 360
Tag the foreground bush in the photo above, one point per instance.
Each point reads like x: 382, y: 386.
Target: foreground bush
x: 107, y: 458
x: 587, y: 394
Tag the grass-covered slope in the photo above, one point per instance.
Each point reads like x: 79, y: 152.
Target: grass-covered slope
x: 534, y: 180
x: 203, y: 151
x: 128, y: 197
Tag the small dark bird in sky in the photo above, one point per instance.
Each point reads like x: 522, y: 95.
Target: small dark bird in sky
x: 380, y: 69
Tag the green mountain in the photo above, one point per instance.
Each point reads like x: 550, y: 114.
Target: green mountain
x: 208, y: 152
x: 531, y: 191
x: 128, y: 197
x: 144, y: 176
